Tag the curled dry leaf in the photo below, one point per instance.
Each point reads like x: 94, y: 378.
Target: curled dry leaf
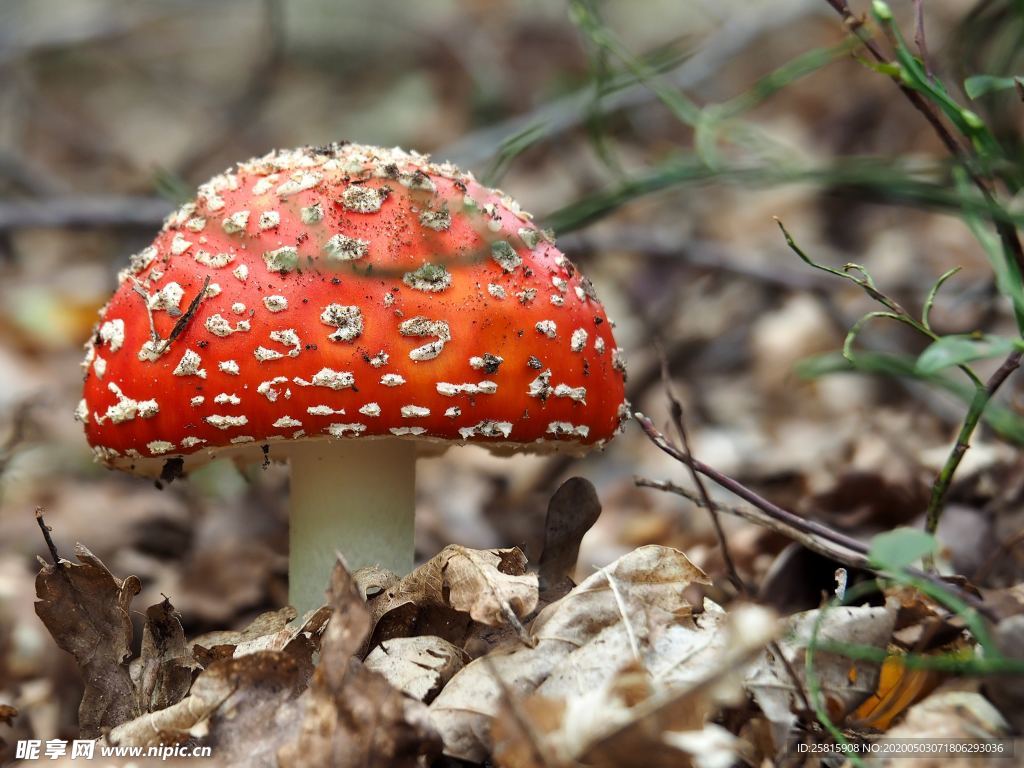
x: 950, y: 714
x: 311, y: 627
x: 351, y: 716
x: 618, y: 616
x: 418, y: 666
x: 163, y: 672
x: 85, y: 609
x: 630, y: 719
x: 844, y: 683
x: 236, y: 706
x: 219, y: 645
x: 489, y: 586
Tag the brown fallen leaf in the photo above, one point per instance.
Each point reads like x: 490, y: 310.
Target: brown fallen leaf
x: 632, y: 610
x: 640, y: 716
x: 163, y: 672
x: 418, y: 666
x: 85, y: 609
x: 7, y: 715
x: 311, y: 626
x: 845, y: 684
x: 573, y: 509
x: 954, y: 712
x: 1007, y: 692
x: 222, y: 644
x: 455, y: 587
x: 236, y: 706
x: 351, y: 716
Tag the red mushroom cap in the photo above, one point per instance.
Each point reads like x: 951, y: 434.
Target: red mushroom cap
x: 348, y: 291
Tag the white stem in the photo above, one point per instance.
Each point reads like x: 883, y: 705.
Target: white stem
x: 356, y: 497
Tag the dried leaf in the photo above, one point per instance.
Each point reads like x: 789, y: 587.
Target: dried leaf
x: 898, y: 689
x: 351, y: 716
x: 85, y: 609
x: 1006, y: 692
x: 629, y: 719
x: 619, y: 615
x: 952, y: 714
x: 844, y: 683
x: 220, y: 645
x: 311, y: 627
x: 237, y: 706
x: 7, y: 715
x: 163, y: 671
x: 457, y: 585
x: 418, y: 666
x: 573, y: 509
x: 491, y: 585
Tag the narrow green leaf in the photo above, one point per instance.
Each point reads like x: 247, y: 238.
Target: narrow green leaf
x: 980, y: 85
x: 895, y: 550
x: 960, y: 349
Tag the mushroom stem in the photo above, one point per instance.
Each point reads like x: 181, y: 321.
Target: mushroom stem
x: 356, y: 497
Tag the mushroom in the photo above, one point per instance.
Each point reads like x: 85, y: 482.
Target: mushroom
x: 347, y: 308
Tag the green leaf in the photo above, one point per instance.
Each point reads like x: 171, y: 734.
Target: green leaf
x: 958, y: 350
x: 980, y: 85
x: 895, y: 550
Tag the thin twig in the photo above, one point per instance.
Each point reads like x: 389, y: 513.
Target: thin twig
x: 781, y: 515
x: 753, y: 514
x: 777, y: 512
x: 79, y: 212
x: 183, y: 321
x: 46, y: 535
x: 919, y: 37
x: 961, y: 152
x: 676, y: 408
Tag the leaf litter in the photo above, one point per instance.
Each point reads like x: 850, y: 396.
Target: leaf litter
x: 475, y: 657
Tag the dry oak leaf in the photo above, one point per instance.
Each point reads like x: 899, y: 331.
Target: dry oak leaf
x: 163, y: 672
x: 489, y: 586
x: 85, y: 609
x: 952, y: 712
x: 221, y: 644
x: 418, y: 666
x: 351, y: 716
x: 239, y: 707
x: 624, y: 613
x: 646, y: 712
x: 844, y: 683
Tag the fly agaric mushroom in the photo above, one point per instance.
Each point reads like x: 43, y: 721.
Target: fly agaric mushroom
x: 347, y: 308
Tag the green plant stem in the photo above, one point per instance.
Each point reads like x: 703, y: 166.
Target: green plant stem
x: 960, y: 152
x: 982, y: 395
x: 946, y: 663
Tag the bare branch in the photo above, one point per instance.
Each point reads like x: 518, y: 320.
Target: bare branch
x: 84, y: 212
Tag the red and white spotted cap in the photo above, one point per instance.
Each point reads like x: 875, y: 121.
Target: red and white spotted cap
x: 348, y: 292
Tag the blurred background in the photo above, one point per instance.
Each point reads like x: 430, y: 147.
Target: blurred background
x: 658, y: 139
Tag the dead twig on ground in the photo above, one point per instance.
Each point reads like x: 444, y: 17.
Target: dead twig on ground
x: 786, y: 522
x: 81, y: 212
x: 676, y: 409
x: 46, y: 535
